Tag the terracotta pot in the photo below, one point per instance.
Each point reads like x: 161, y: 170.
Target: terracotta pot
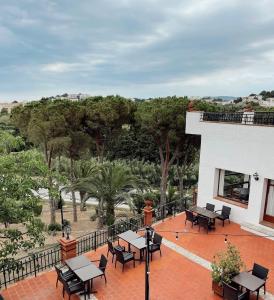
x: 148, y: 202
x: 217, y: 289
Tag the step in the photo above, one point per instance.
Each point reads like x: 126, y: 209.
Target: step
x: 259, y: 229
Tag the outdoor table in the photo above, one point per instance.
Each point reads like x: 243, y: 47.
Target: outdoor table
x: 77, y: 262
x: 140, y: 243
x: 128, y: 236
x: 205, y: 213
x: 250, y: 282
x: 87, y: 274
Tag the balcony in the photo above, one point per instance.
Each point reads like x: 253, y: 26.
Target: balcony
x: 245, y: 118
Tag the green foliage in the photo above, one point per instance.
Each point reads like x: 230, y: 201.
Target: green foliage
x: 9, y: 142
x: 226, y: 264
x: 55, y: 227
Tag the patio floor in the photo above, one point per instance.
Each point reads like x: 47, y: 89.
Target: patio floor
x: 172, y: 276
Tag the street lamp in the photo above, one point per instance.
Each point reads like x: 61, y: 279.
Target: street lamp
x: 67, y: 230
x: 148, y: 235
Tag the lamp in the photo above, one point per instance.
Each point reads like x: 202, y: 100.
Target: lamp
x: 67, y: 231
x: 256, y: 176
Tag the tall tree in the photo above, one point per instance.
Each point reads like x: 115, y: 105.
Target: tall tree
x: 104, y: 119
x: 164, y: 119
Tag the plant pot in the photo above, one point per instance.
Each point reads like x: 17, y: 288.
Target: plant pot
x: 148, y: 203
x: 217, y: 289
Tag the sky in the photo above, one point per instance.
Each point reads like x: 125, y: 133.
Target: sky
x: 135, y: 48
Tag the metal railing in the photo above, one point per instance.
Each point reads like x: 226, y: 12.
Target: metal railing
x: 247, y: 118
x: 30, y: 265
x: 34, y: 263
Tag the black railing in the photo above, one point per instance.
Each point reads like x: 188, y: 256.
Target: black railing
x: 34, y: 263
x: 30, y: 265
x: 247, y: 118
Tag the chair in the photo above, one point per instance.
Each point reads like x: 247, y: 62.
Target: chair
x: 210, y: 206
x: 203, y: 222
x: 260, y: 272
x: 72, y: 287
x: 124, y: 257
x: 225, y: 212
x: 156, y: 244
x: 67, y: 275
x: 190, y: 217
x: 102, y: 265
x: 231, y: 293
x: 111, y: 249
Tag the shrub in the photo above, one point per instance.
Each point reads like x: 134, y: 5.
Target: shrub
x: 55, y: 227
x: 66, y: 222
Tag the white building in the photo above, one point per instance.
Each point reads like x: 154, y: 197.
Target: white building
x: 237, y: 165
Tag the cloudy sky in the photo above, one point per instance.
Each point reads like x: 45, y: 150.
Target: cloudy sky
x: 135, y: 48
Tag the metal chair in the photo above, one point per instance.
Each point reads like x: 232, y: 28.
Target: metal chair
x: 203, y: 222
x: 190, y: 217
x: 112, y: 248
x: 210, y: 206
x: 225, y: 212
x: 102, y: 265
x: 231, y: 293
x: 156, y: 246
x: 67, y: 275
x: 73, y: 287
x: 124, y: 257
x: 260, y: 272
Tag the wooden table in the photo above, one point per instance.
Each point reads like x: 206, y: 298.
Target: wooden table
x: 128, y: 236
x: 211, y: 215
x: 77, y: 262
x: 140, y: 243
x: 250, y: 282
x: 87, y: 274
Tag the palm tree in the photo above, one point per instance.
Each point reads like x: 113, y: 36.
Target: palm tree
x: 110, y: 184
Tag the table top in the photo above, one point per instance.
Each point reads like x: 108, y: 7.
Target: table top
x: 249, y: 281
x: 88, y: 272
x: 128, y: 236
x: 139, y: 243
x: 77, y: 262
x: 204, y: 212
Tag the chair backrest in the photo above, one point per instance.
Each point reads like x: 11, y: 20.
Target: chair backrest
x: 59, y: 272
x: 230, y: 293
x: 260, y: 271
x: 210, y: 206
x: 157, y: 239
x: 103, y: 263
x: 189, y: 215
x: 203, y: 221
x: 110, y: 246
x: 226, y: 211
x: 119, y: 255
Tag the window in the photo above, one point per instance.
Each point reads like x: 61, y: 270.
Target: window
x: 233, y: 186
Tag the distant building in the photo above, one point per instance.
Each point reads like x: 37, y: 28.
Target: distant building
x: 8, y: 106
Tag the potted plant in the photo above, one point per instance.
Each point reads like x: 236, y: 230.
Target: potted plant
x: 149, y: 198
x: 225, y: 265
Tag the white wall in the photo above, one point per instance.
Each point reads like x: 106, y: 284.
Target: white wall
x: 241, y: 148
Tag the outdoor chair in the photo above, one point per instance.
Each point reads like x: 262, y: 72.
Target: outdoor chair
x: 203, y: 222
x: 156, y: 246
x: 124, y: 257
x: 231, y: 293
x: 102, y: 265
x: 73, y: 287
x: 210, y: 206
x: 1, y: 297
x: 190, y: 217
x: 225, y: 212
x: 112, y: 248
x: 68, y: 275
x: 260, y: 272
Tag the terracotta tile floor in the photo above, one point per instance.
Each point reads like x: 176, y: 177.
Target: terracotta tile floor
x: 172, y: 276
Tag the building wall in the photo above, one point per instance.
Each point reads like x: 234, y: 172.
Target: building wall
x: 241, y: 148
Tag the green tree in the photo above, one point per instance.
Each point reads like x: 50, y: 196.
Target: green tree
x: 9, y: 142
x: 21, y: 174
x: 164, y: 119
x: 110, y: 185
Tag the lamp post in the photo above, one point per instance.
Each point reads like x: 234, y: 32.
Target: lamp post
x: 148, y: 238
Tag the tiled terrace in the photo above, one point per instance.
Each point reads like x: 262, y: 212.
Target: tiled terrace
x: 173, y: 276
